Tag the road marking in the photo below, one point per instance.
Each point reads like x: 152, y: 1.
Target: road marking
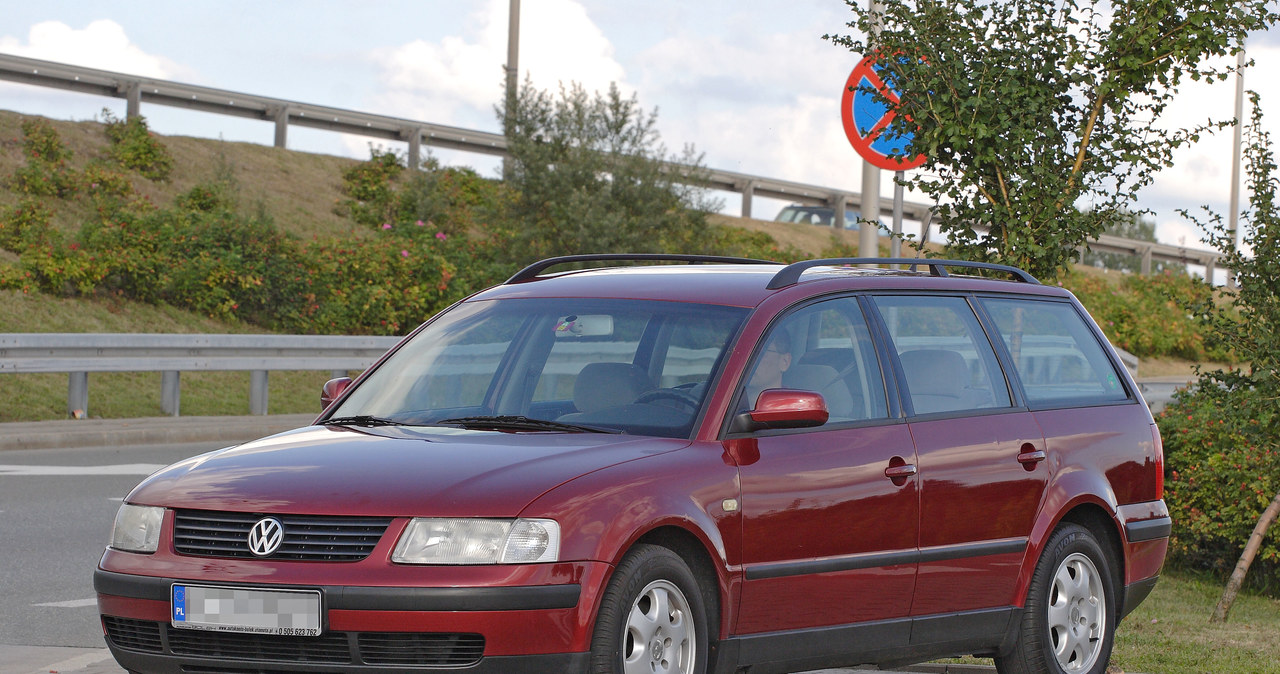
x: 75, y: 603
x: 78, y: 662
x: 42, y: 471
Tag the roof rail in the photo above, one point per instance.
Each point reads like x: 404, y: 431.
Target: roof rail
x: 531, y: 272
x: 791, y: 274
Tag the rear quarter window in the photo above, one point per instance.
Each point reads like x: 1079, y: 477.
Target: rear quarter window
x: 1058, y: 359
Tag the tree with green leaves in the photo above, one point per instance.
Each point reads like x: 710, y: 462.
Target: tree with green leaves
x: 1246, y: 396
x: 589, y: 174
x: 1041, y: 119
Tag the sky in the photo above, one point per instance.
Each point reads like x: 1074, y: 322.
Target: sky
x: 749, y: 84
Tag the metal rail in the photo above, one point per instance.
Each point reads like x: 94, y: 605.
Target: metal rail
x: 80, y: 354
x: 283, y: 113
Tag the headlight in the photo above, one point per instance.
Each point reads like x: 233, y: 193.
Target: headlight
x: 478, y: 541
x: 137, y: 528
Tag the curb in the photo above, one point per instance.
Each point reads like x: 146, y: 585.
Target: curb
x: 144, y: 431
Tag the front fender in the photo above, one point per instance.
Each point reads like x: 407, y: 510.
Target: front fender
x: 604, y: 513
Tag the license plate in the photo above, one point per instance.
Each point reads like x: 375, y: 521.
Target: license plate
x: 238, y: 609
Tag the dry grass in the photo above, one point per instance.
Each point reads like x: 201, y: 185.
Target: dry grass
x: 298, y: 189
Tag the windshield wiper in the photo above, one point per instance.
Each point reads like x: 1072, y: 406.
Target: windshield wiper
x: 362, y: 420
x: 521, y: 423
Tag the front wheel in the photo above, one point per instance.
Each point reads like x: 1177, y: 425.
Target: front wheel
x: 652, y: 618
x: 1069, y: 623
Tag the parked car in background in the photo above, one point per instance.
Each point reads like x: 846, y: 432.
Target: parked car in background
x: 823, y: 217
x: 688, y: 468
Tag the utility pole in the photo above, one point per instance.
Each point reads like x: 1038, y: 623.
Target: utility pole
x: 869, y: 234
x: 1233, y: 216
x: 513, y: 74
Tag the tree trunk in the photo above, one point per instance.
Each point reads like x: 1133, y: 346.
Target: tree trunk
x: 1246, y: 558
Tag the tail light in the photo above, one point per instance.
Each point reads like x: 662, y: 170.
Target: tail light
x: 1159, y: 450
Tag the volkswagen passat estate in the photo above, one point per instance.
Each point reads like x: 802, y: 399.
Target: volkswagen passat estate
x: 719, y: 466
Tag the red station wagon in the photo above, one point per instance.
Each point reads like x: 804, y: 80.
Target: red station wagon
x: 728, y: 466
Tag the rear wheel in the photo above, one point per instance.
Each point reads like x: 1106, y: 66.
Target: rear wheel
x: 1069, y: 624
x: 652, y: 618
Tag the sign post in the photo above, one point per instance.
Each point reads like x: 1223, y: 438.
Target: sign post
x: 866, y: 121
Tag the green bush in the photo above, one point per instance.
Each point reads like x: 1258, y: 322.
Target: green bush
x: 370, y: 196
x: 25, y: 225
x: 135, y: 147
x: 1221, y: 472
x: 45, y: 172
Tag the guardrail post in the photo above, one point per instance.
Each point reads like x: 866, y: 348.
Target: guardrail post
x: 133, y: 99
x: 414, y: 136
x: 839, y: 203
x: 1146, y: 261
x: 78, y: 395
x: 281, y: 115
x: 748, y: 193
x: 170, y: 392
x: 258, y: 392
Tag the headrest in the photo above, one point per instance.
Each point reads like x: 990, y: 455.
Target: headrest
x: 601, y: 385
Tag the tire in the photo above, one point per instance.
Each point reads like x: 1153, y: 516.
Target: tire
x: 1069, y: 623
x: 652, y: 619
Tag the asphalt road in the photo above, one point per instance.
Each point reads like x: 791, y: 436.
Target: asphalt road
x: 56, y: 510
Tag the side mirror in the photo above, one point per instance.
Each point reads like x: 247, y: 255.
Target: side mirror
x: 332, y: 390
x: 785, y: 408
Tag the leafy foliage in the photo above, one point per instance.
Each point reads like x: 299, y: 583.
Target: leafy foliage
x: 1221, y: 470
x: 1231, y: 435
x: 1030, y: 108
x: 368, y: 188
x: 135, y: 147
x: 46, y: 171
x: 590, y: 175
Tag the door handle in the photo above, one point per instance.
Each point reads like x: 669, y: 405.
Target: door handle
x: 1030, y: 456
x: 900, y: 472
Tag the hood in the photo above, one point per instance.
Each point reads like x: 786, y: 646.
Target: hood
x: 390, y: 471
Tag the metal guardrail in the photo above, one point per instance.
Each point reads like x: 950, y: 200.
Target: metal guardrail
x: 80, y: 354
x: 283, y: 113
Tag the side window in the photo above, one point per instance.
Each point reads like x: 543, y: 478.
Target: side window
x: 825, y: 347
x: 948, y: 362
x: 1057, y: 357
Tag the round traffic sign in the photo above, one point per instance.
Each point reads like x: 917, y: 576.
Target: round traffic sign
x: 866, y: 119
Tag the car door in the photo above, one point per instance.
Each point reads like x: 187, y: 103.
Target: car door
x: 828, y: 537
x: 980, y: 456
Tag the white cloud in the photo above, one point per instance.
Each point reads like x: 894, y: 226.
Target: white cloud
x: 102, y: 44
x: 459, y: 79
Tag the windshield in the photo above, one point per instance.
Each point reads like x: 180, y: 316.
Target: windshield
x: 629, y: 366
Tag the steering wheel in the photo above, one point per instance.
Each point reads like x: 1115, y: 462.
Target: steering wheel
x: 683, y: 397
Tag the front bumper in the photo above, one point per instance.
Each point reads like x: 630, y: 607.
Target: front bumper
x: 497, y: 619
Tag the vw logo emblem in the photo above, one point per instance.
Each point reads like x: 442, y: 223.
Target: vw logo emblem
x: 266, y: 536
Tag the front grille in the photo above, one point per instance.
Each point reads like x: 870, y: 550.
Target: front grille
x: 306, y: 537
x: 329, y: 648
x: 133, y: 635
x: 395, y: 648
x: 402, y: 649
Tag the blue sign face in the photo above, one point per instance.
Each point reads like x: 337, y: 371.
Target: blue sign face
x: 872, y: 115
